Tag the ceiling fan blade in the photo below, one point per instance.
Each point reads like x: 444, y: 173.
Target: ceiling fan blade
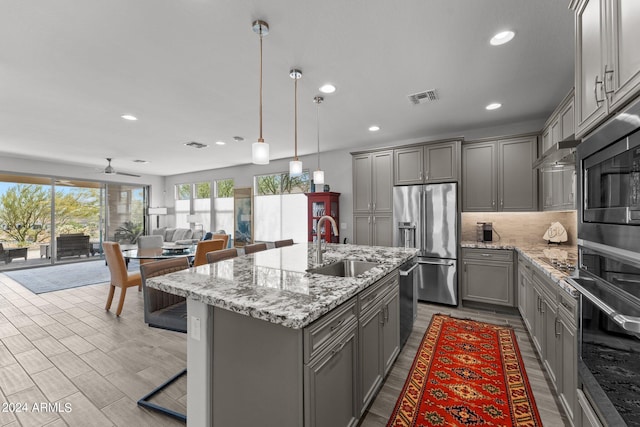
x: 127, y: 174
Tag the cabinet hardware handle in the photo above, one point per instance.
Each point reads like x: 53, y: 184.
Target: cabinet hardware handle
x: 368, y: 220
x: 487, y: 255
x: 374, y: 220
x: 337, y: 350
x: 386, y: 313
x: 607, y: 73
x: 465, y: 267
x: 369, y: 206
x: 372, y: 297
x: 337, y: 325
x: 420, y: 176
x: 502, y: 203
x: 426, y: 175
x: 595, y: 90
x: 555, y: 327
x: 493, y: 203
x: 374, y: 206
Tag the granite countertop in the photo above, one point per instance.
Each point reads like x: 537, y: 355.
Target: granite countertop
x: 534, y: 253
x: 274, y: 285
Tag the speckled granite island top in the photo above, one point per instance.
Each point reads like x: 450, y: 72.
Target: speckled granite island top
x: 274, y: 285
x: 534, y: 253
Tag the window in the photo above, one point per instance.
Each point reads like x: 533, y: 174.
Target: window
x: 280, y: 200
x: 183, y: 205
x: 202, y: 205
x: 223, y: 206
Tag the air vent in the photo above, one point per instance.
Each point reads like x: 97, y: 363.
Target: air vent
x: 422, y: 97
x: 195, y: 144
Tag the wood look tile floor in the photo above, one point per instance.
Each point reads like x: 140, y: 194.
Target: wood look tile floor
x: 63, y: 349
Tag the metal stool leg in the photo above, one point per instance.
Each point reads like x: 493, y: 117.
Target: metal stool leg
x: 144, y: 401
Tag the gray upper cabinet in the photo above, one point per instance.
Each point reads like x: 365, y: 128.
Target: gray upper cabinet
x: 607, y: 72
x: 497, y: 175
x: 373, y: 198
x: 429, y: 163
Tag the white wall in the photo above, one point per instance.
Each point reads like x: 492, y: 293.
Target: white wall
x: 20, y: 166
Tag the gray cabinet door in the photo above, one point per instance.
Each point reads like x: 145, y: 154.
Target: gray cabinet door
x: 371, y: 368
x: 382, y: 178
x: 625, y: 55
x: 331, y: 384
x: 382, y: 230
x: 530, y: 308
x: 479, y: 177
x: 549, y: 313
x: 590, y: 104
x: 408, y: 166
x: 568, y: 120
x: 441, y: 162
x: 362, y: 230
x: 362, y: 183
x: 567, y: 381
x: 517, y: 180
x: 390, y: 329
x: 569, y: 188
x: 488, y: 282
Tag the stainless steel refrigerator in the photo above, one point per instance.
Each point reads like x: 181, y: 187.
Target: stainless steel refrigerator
x: 426, y: 217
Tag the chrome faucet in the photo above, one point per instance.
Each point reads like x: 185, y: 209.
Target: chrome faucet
x: 319, y: 236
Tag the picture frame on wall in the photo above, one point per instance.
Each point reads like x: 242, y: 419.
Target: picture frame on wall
x: 243, y: 216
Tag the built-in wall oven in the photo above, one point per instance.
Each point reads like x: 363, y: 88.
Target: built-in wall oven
x: 608, y: 274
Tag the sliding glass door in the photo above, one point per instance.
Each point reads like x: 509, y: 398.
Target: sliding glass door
x: 47, y: 220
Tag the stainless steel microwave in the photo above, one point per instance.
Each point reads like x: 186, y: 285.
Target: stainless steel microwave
x: 608, y: 173
x: 611, y: 183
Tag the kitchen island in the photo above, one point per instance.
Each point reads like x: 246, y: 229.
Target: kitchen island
x: 270, y: 343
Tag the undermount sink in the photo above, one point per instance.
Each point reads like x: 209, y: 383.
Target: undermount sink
x: 345, y: 268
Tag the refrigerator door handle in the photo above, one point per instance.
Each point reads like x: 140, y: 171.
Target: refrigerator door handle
x: 438, y: 262
x: 407, y: 272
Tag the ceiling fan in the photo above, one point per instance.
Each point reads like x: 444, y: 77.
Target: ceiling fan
x: 109, y: 170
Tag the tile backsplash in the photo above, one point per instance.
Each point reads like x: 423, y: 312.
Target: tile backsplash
x: 520, y: 227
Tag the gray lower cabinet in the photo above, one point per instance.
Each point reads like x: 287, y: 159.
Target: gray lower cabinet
x: 379, y: 337
x: 331, y: 383
x: 550, y: 315
x: 488, y: 276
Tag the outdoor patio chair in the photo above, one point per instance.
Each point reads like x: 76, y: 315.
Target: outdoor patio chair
x: 256, y: 247
x: 166, y: 311
x: 7, y: 255
x: 281, y: 243
x: 120, y: 277
x: 205, y: 246
x: 221, y: 255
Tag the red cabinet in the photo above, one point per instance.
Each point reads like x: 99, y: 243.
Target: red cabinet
x: 320, y: 204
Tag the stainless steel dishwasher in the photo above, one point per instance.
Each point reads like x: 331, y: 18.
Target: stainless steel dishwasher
x: 408, y: 299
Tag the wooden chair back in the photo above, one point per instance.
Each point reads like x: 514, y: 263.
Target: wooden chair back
x: 224, y: 237
x: 221, y: 255
x: 115, y: 262
x: 205, y: 246
x: 281, y: 243
x: 256, y: 247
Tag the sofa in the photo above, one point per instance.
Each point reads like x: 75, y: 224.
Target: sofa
x: 180, y: 236
x: 75, y: 244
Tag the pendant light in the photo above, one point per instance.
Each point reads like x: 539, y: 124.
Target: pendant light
x: 318, y: 174
x: 260, y: 149
x: 295, y: 165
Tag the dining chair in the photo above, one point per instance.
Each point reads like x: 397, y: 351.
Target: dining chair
x: 281, y: 243
x: 205, y: 246
x: 256, y: 247
x: 166, y: 311
x: 120, y: 277
x: 148, y: 242
x: 221, y: 255
x: 224, y: 237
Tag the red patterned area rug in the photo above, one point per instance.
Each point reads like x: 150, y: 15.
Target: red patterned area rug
x: 466, y: 373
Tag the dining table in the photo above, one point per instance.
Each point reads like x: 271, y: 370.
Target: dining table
x: 164, y: 252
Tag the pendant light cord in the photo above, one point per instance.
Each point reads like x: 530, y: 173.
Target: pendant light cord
x: 260, y: 139
x: 318, y: 130
x: 295, y: 118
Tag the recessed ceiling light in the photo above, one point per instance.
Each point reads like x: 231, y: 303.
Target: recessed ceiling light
x: 129, y: 117
x: 327, y: 88
x: 493, y: 106
x: 374, y: 128
x: 502, y: 38
x: 220, y: 143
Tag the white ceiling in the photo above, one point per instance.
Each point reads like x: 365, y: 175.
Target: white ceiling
x: 188, y: 69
